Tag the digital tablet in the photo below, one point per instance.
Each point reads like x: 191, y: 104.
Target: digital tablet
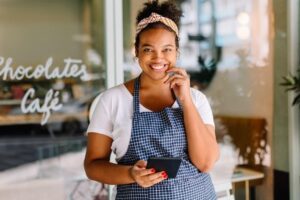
x: 168, y: 164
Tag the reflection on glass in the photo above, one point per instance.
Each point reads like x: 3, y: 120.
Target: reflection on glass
x: 57, y: 60
x: 51, y: 67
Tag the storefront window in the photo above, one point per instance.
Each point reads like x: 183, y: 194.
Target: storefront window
x: 52, y: 65
x: 241, y: 88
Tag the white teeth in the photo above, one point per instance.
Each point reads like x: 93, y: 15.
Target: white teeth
x: 157, y: 66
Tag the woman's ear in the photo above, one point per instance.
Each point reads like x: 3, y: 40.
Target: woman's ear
x: 177, y: 53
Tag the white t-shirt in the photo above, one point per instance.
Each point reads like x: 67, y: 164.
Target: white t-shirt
x: 114, y: 111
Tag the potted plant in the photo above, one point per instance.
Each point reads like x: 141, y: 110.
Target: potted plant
x: 292, y: 82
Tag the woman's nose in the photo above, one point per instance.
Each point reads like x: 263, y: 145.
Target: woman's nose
x: 157, y: 55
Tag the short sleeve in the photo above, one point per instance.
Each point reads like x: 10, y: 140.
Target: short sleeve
x: 204, y: 108
x: 101, y: 121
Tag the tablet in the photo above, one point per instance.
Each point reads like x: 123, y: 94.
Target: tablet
x: 168, y: 164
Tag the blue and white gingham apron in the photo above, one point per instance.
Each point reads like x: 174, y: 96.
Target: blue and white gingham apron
x: 162, y: 134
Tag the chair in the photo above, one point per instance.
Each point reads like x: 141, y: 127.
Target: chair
x: 249, y: 136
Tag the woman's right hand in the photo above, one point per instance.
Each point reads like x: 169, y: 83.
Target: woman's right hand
x: 146, y: 177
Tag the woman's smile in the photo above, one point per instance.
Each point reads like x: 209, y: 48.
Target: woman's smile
x: 159, y: 67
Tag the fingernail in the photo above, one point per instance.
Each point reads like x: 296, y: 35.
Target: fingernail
x: 164, y: 175
x: 153, y: 170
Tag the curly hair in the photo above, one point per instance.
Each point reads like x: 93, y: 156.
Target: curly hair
x: 167, y: 9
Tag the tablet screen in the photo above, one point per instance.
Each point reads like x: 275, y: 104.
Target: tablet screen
x: 168, y: 164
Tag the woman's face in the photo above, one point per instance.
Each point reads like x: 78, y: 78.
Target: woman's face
x: 157, y: 52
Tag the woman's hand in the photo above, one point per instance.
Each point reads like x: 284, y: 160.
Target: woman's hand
x: 180, y: 83
x: 146, y: 177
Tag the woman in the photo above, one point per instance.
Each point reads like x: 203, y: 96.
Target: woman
x: 154, y: 115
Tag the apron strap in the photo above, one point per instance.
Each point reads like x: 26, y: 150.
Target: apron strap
x: 136, y: 95
x: 176, y: 99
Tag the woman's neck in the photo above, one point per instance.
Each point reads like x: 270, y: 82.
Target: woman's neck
x: 151, y: 84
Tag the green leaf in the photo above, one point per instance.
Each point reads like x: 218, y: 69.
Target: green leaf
x: 292, y: 88
x: 285, y: 84
x: 296, y: 100
x: 287, y: 79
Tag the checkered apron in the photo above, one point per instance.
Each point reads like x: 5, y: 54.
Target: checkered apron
x: 162, y: 134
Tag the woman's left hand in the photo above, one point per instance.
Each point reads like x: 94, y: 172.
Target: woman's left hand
x: 180, y: 83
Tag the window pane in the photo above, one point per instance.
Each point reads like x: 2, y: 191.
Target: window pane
x: 51, y: 67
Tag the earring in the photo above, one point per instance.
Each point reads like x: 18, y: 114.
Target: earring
x: 135, y: 59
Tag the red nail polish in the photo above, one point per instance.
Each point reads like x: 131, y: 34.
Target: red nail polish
x: 152, y: 170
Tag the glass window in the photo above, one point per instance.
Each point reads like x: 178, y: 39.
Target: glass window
x: 232, y: 66
x: 130, y: 65
x: 52, y: 65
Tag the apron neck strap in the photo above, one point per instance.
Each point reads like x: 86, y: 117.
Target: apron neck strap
x: 136, y: 95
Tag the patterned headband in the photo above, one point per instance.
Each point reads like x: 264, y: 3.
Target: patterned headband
x: 154, y: 17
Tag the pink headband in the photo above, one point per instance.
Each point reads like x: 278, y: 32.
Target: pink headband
x: 154, y: 17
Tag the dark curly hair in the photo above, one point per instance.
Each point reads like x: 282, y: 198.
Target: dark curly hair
x: 167, y: 9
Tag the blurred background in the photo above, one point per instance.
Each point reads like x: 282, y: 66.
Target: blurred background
x: 57, y: 56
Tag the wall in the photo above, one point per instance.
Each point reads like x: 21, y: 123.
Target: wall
x: 280, y: 136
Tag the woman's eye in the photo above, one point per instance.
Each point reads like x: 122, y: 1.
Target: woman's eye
x: 167, y: 50
x: 146, y: 50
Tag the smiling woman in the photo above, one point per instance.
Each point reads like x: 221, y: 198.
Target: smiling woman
x: 157, y: 114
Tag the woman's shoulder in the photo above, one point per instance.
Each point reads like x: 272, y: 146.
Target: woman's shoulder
x: 197, y: 94
x: 116, y: 92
